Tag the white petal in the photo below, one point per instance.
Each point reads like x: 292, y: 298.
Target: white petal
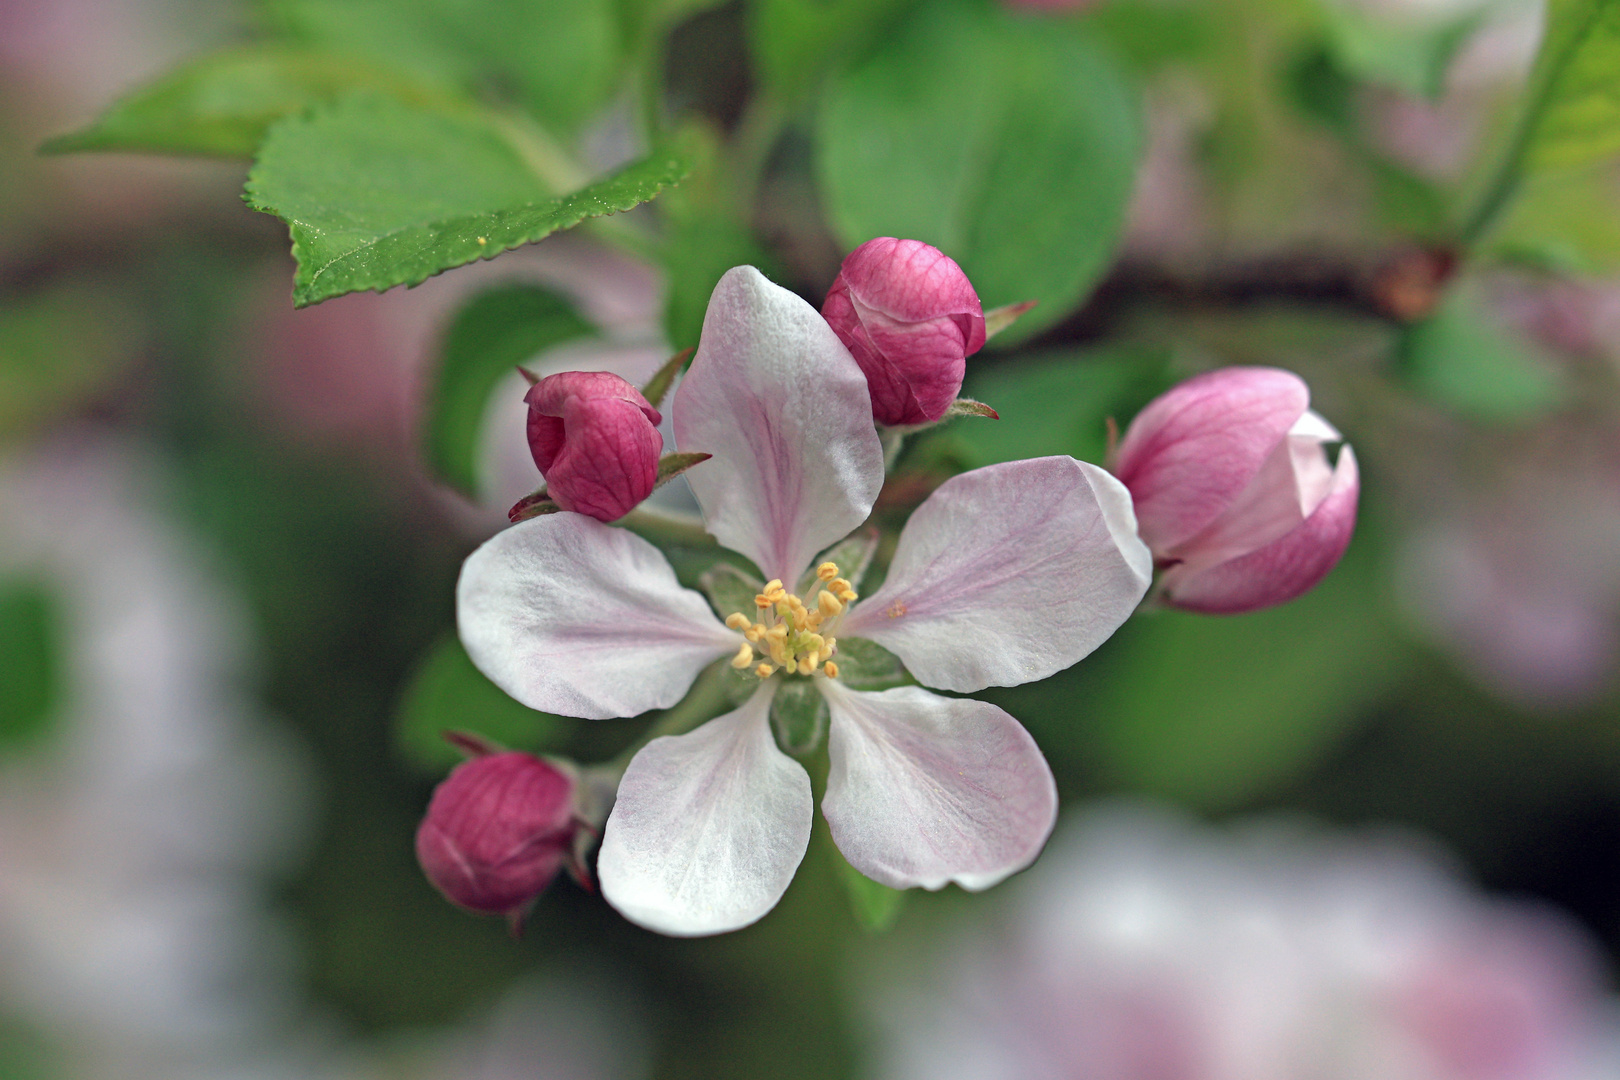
x: 1008, y: 574
x: 777, y: 399
x: 709, y: 826
x: 927, y: 789
x: 575, y: 617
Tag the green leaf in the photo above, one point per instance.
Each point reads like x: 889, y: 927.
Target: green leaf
x: 1571, y: 111
x: 704, y: 236
x: 1052, y: 404
x: 798, y: 715
x: 1565, y: 220
x: 793, y: 43
x: 1574, y: 97
x: 1461, y: 359
x: 1216, y: 710
x: 448, y: 694
x: 493, y: 333
x: 1009, y: 143
x: 58, y: 347
x: 561, y: 59
x: 222, y: 104
x: 1411, y: 57
x: 31, y: 658
x: 379, y: 194
x: 876, y: 907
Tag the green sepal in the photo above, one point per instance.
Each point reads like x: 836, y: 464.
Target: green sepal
x: 866, y: 665
x: 798, y: 715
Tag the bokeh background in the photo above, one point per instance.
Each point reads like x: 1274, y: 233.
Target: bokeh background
x: 1373, y: 833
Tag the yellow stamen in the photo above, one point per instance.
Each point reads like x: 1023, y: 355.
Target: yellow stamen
x: 829, y: 604
x: 744, y: 657
x: 839, y: 584
x: 762, y: 601
x: 831, y: 669
x: 827, y: 571
x: 848, y: 596
x: 774, y: 586
x: 826, y: 653
x: 777, y: 632
x: 808, y: 665
x: 738, y: 621
x: 764, y: 671
x: 755, y: 632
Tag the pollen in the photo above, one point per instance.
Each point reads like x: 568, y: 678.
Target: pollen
x: 794, y: 634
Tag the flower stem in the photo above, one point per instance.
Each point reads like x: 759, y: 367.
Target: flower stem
x: 666, y: 528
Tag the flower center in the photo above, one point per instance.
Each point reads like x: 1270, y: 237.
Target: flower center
x: 794, y: 635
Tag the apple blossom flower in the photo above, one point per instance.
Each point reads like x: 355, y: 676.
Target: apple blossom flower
x: 596, y: 440
x: 1004, y: 575
x: 498, y: 829
x: 1147, y: 946
x: 1233, y: 490
x: 910, y: 317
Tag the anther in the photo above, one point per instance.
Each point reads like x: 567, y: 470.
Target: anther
x: 762, y: 601
x: 838, y: 585
x: 738, y: 621
x: 744, y: 657
x: 827, y: 571
x: 755, y: 632
x: 829, y: 605
x: 849, y: 596
x: 773, y: 586
x: 808, y: 665
x: 831, y: 669
x: 764, y: 671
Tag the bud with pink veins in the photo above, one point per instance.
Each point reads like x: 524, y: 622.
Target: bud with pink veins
x: 910, y: 317
x: 1234, y: 492
x: 595, y: 439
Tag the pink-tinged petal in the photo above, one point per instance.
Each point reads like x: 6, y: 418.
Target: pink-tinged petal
x: 783, y: 407
x: 1189, y: 454
x: 708, y: 828
x: 927, y: 789
x: 1292, y: 482
x: 1284, y: 568
x: 574, y: 617
x: 1008, y: 574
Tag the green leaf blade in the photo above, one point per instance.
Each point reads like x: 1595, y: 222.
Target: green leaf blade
x: 222, y: 105
x: 497, y: 330
x: 378, y: 194
x: 1010, y: 144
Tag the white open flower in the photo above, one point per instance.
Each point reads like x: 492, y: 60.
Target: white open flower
x: 1005, y: 575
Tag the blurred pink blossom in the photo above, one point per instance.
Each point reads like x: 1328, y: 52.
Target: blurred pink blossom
x: 1144, y: 947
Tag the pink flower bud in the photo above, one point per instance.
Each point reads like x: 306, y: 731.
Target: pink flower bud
x: 910, y: 318
x: 499, y: 828
x: 1234, y: 492
x: 596, y: 440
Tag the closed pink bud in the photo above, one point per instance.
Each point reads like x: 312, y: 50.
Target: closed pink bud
x: 498, y: 829
x: 910, y: 318
x: 1234, y: 492
x: 595, y: 438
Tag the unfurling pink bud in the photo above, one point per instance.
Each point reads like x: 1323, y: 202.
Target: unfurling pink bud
x: 910, y: 318
x: 499, y: 828
x: 1234, y: 492
x: 596, y: 440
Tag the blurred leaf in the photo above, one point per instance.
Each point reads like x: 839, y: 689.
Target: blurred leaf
x: 26, y: 1054
x: 493, y: 333
x: 1411, y: 57
x: 448, y: 693
x: 705, y: 235
x: 876, y: 907
x: 1567, y: 220
x: 1008, y: 143
x: 378, y: 194
x: 58, y: 347
x: 559, y: 58
x: 1150, y: 33
x: 31, y: 658
x: 222, y: 104
x: 1463, y: 360
x: 798, y: 715
x: 795, y: 42
x: 1573, y: 102
x: 1053, y: 404
x: 1218, y: 709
